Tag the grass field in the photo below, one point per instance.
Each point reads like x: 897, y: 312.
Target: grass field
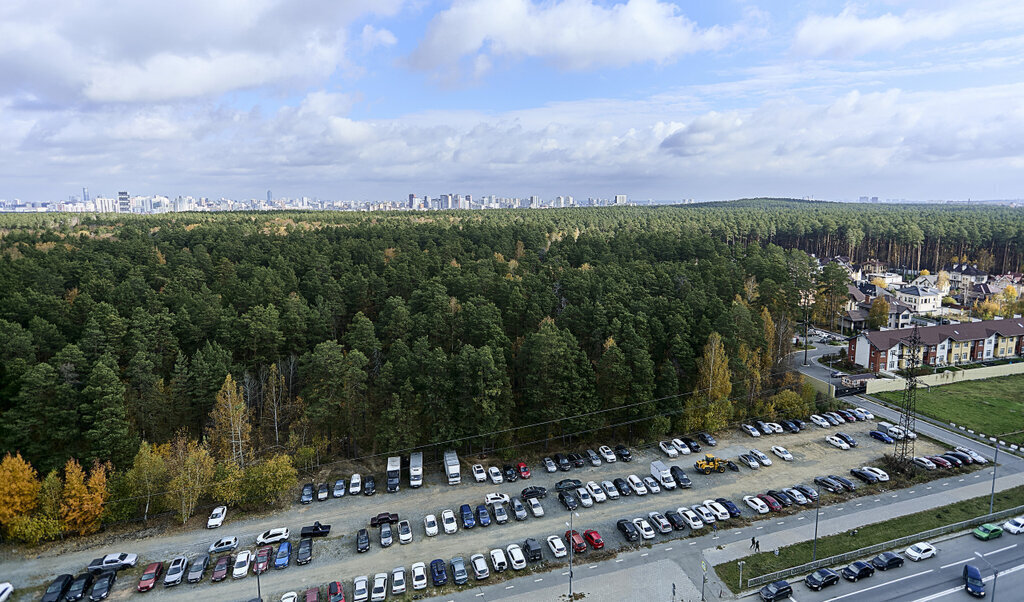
x: 795, y: 555
x: 992, y: 406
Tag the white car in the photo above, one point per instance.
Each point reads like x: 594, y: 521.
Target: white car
x: 750, y: 430
x: 607, y: 454
x: 720, y: 511
x: 380, y: 587
x: 669, y: 449
x: 175, y: 571
x: 644, y: 527
x: 516, y: 557
x: 398, y: 580
x: 924, y: 463
x: 495, y: 474
x: 775, y: 427
x: 479, y: 473
x: 596, y: 492
x: 498, y: 560
x: 837, y: 442
x: 535, y: 507
x: 360, y: 588
x: 496, y: 498
x: 797, y: 496
x: 216, y: 517
x: 557, y: 547
x: 404, y: 532
x: 479, y: 564
x: 448, y: 520
x: 652, y: 485
x: 224, y: 544
x: 704, y: 514
x: 1014, y: 526
x: 878, y: 472
x: 749, y: 461
x: 610, y: 490
x: 756, y: 504
x: 289, y: 597
x: 691, y: 518
x: 866, y: 413
x: 272, y: 536
x: 782, y: 452
x: 636, y: 485
x: 430, y: 525
x: 658, y: 520
x: 242, y: 562
x: 419, y: 576
x: 586, y: 500
x: 355, y: 484
x: 6, y: 589
x: 681, y: 447
x: 820, y: 421
x: 920, y: 551
x: 980, y: 459
x: 761, y: 457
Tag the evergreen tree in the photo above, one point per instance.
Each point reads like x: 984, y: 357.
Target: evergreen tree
x: 108, y: 436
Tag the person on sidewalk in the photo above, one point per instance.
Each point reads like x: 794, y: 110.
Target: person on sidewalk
x: 757, y: 546
x: 753, y: 542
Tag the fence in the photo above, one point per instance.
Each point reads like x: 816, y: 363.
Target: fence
x: 881, y: 547
x: 945, y: 378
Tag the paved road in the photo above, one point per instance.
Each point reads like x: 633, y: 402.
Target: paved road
x: 814, y: 369
x: 938, y: 578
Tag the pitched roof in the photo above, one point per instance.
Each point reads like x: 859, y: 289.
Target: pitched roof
x: 933, y: 335
x: 856, y: 293
x: 920, y: 291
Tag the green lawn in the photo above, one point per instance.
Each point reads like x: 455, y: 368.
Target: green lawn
x: 992, y: 406
x: 795, y: 555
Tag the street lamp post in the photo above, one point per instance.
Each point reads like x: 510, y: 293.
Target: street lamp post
x: 995, y: 573
x: 259, y: 594
x: 740, y: 564
x: 817, y: 508
x: 805, y: 328
x: 992, y: 496
x: 569, y: 524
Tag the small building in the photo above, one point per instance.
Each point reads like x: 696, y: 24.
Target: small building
x: 941, y: 345
x: 920, y: 299
x: 963, y: 276
x: 931, y: 281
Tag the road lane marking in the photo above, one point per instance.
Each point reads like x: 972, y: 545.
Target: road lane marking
x: 867, y: 589
x: 693, y: 543
x: 946, y: 483
x: 839, y: 509
x: 593, y: 566
x: 538, y: 580
x: 620, y: 560
x: 976, y: 476
x: 480, y: 594
x: 959, y: 480
x: 912, y: 491
x: 801, y: 518
x: 894, y: 495
x: 859, y: 504
x: 781, y: 522
x: 877, y: 499
x: 1000, y: 550
x: 644, y: 554
x: 565, y: 573
x: 737, y: 532
x: 946, y: 566
x: 668, y: 549
x: 759, y: 528
x: 929, y: 487
x: 509, y: 586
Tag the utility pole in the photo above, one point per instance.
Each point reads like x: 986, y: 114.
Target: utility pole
x: 817, y: 512
x: 992, y: 496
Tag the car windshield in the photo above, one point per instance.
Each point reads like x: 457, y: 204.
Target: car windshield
x: 174, y: 570
x: 242, y: 561
x: 146, y: 575
x: 974, y: 581
x: 78, y: 585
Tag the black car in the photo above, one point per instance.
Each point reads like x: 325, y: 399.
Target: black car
x: 800, y: 424
x: 763, y: 427
x: 577, y: 460
x: 733, y: 509
x: 782, y: 498
x: 622, y: 486
x: 849, y: 440
x: 808, y: 492
x: 780, y: 590
x: 887, y: 560
x: 828, y: 484
x: 693, y: 445
x: 369, y: 485
x: 732, y: 466
x: 864, y: 475
x: 57, y: 588
x: 821, y: 578
x: 858, y: 570
x: 956, y: 462
x: 846, y: 483
x: 102, y: 586
x: 362, y: 541
x: 307, y: 494
x: 78, y: 587
x: 628, y: 530
x: 568, y: 485
x: 789, y: 426
x: 623, y: 453
x: 563, y: 462
x: 323, y: 492
x: 707, y: 439
x: 568, y: 500
x: 680, y: 477
x: 510, y: 474
x: 966, y: 459
x: 197, y: 569
x: 305, y: 551
x: 676, y: 520
x: 534, y: 491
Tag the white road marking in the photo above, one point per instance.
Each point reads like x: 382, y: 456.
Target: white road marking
x: 693, y: 543
x: 759, y: 528
x: 959, y: 480
x: 929, y: 487
x: 912, y: 491
x: 801, y: 518
x: 565, y: 573
x: 859, y: 504
x: 593, y: 566
x: 480, y: 594
x: 946, y: 566
x: 538, y: 580
x: 668, y: 549
x: 781, y: 522
x: 1000, y: 550
x: 509, y: 586
x: 887, y: 583
x: 895, y: 495
x: 620, y: 560
x: 839, y: 509
x: 946, y: 483
x: 878, y: 499
x: 644, y: 554
x: 737, y: 532
x: 976, y: 476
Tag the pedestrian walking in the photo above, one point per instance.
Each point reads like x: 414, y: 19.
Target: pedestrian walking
x: 757, y: 546
x: 753, y: 542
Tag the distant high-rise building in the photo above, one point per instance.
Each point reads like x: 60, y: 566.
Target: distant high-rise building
x: 269, y: 197
x: 85, y: 194
x: 124, y: 203
x: 412, y: 200
x: 620, y: 199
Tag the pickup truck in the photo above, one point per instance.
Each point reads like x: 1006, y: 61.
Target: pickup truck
x: 384, y: 517
x: 316, y: 530
x: 112, y: 562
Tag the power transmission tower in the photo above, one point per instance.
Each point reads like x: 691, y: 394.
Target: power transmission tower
x: 911, y: 359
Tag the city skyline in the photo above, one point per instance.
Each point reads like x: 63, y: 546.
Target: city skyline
x: 372, y: 100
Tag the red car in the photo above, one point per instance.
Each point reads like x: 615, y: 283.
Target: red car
x: 524, y: 472
x: 262, y: 561
x: 593, y: 538
x: 772, y: 503
x: 150, y: 575
x: 576, y: 541
x: 221, y: 568
x: 941, y: 462
x: 312, y: 594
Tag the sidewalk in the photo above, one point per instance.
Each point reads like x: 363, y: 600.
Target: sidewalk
x: 841, y: 524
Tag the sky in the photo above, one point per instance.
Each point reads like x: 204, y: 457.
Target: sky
x: 352, y: 99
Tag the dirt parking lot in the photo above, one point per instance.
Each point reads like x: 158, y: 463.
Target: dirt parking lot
x: 336, y: 558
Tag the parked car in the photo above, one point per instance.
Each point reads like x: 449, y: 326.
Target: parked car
x: 781, y: 497
x: 820, y: 421
x: 594, y: 539
x: 355, y: 484
x: 339, y: 488
x: 272, y: 536
x: 438, y: 572
x: 669, y: 449
x: 782, y: 452
x: 304, y: 553
x: 449, y: 523
x: 707, y: 439
x: 586, y: 500
x: 848, y: 439
x: 149, y: 576
x: 828, y: 484
x: 419, y: 576
x: 880, y: 436
x: 535, y: 508
x: 510, y: 473
x: 361, y: 589
x: 459, y: 574
x: 524, y: 471
x: 706, y: 516
x: 577, y: 460
x: 567, y: 500
x: 261, y: 561
x: 323, y: 492
x: 335, y: 592
x: 623, y: 453
x: 175, y: 571
x: 628, y: 530
x: 980, y: 459
x: 479, y: 564
x: 808, y: 492
x: 659, y: 522
x: 242, y: 562
x: 607, y: 454
x: 987, y: 531
x: 622, y: 486
x: 575, y: 540
x: 652, y: 485
x: 386, y: 537
x: 858, y: 570
x: 306, y: 497
x: 693, y: 520
x: 483, y: 517
x: 732, y: 508
x: 284, y: 555
x: 596, y: 492
x: 880, y: 474
x: 886, y: 561
x: 498, y: 560
x: 796, y: 495
x: 749, y: 461
x: 837, y: 442
x: 1014, y: 526
x: 479, y: 474
x: 636, y: 485
x: 846, y: 483
x: 756, y: 504
x: 362, y: 541
x: 57, y: 588
x: 216, y: 517
x: 549, y: 465
x: 863, y: 475
x: 750, y: 430
x: 761, y: 457
x: 778, y: 590
x: 221, y: 568
x: 644, y: 527
x: 821, y: 579
x: 224, y: 544
x: 563, y: 462
x: 369, y: 485
x: 102, y: 585
x: 679, y: 476
x: 78, y: 588
x: 595, y: 460
x: 380, y: 588
x: 533, y: 492
x: 920, y: 551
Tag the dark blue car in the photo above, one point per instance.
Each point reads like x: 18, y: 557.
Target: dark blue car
x: 731, y: 507
x: 881, y: 436
x: 973, y: 584
x: 467, y: 516
x: 438, y: 572
x: 483, y: 517
x: 284, y: 555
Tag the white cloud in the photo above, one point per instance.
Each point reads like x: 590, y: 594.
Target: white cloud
x: 573, y: 34
x: 373, y: 37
